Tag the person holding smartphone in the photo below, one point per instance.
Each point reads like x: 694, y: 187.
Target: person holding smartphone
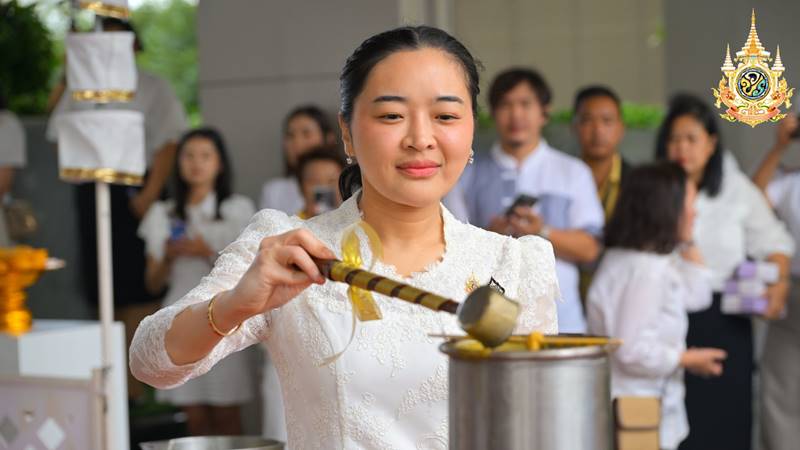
x: 182, y: 238
x: 318, y: 176
x: 567, y: 210
x: 780, y: 363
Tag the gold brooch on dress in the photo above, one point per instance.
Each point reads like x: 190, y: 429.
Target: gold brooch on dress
x: 472, y: 284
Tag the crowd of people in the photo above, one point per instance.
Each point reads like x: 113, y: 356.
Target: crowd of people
x: 601, y: 246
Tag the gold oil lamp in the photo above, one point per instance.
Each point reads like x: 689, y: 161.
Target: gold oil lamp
x: 20, y: 267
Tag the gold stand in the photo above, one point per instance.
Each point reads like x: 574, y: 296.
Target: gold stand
x: 20, y: 267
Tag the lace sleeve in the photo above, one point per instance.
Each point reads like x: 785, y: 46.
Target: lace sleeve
x: 538, y: 286
x: 149, y: 361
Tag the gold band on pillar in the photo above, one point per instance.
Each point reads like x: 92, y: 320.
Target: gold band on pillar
x: 107, y: 96
x: 111, y: 176
x: 103, y: 9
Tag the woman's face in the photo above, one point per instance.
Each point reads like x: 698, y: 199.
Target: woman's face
x: 686, y: 226
x: 690, y: 145
x: 199, y: 162
x: 411, y: 129
x: 302, y: 134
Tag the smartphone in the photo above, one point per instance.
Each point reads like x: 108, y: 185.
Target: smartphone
x: 522, y: 200
x: 177, y: 230
x: 324, y: 198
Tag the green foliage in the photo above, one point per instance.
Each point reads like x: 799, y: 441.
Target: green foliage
x: 27, y: 59
x: 485, y: 121
x: 168, y: 34
x: 634, y: 116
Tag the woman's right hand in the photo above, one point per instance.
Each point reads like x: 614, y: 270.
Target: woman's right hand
x: 705, y: 362
x: 283, y: 267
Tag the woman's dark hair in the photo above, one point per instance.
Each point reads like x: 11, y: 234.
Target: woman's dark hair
x: 649, y: 210
x: 314, y: 113
x: 378, y: 47
x: 223, y: 182
x: 511, y: 78
x: 689, y: 105
x: 321, y: 153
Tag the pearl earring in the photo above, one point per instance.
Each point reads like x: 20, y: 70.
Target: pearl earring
x: 471, y: 156
x: 348, y: 158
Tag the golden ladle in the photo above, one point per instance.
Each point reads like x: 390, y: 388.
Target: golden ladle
x: 486, y: 315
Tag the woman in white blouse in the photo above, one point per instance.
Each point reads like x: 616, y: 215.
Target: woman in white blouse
x: 408, y: 108
x: 734, y: 221
x: 182, y: 238
x: 305, y: 127
x: 648, y: 279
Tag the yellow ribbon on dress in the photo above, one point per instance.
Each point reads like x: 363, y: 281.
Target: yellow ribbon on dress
x: 364, y: 306
x: 363, y: 303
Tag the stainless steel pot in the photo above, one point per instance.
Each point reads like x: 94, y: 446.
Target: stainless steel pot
x: 214, y: 443
x: 557, y: 399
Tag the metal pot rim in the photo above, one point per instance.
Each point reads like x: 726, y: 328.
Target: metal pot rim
x: 583, y: 352
x: 251, y: 442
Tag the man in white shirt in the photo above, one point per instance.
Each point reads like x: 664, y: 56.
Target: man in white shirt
x: 566, y: 210
x: 12, y: 157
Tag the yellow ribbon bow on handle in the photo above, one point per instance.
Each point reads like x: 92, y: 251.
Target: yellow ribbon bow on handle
x: 364, y: 306
x: 363, y: 303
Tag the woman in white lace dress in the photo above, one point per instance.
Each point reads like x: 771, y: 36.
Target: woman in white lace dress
x: 408, y: 99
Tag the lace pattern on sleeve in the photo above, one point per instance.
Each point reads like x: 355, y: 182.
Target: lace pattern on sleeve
x: 149, y: 360
x: 538, y: 286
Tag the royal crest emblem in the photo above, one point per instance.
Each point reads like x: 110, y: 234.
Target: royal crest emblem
x: 752, y: 91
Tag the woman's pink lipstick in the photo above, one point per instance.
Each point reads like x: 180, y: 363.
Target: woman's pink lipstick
x: 419, y: 169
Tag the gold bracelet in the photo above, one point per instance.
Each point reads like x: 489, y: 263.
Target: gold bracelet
x: 213, y: 325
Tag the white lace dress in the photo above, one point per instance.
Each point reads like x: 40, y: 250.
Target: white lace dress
x: 389, y: 389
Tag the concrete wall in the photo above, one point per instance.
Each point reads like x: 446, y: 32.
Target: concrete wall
x: 259, y: 59
x: 697, y: 32
x: 572, y: 42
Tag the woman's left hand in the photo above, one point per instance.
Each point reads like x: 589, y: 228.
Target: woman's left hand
x: 776, y: 296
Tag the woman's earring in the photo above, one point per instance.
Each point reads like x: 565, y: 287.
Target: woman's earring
x: 349, y: 160
x: 471, y: 156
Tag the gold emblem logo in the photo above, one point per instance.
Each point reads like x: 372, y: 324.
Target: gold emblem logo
x: 752, y: 91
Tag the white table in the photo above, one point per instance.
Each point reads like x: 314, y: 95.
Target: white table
x: 71, y: 349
